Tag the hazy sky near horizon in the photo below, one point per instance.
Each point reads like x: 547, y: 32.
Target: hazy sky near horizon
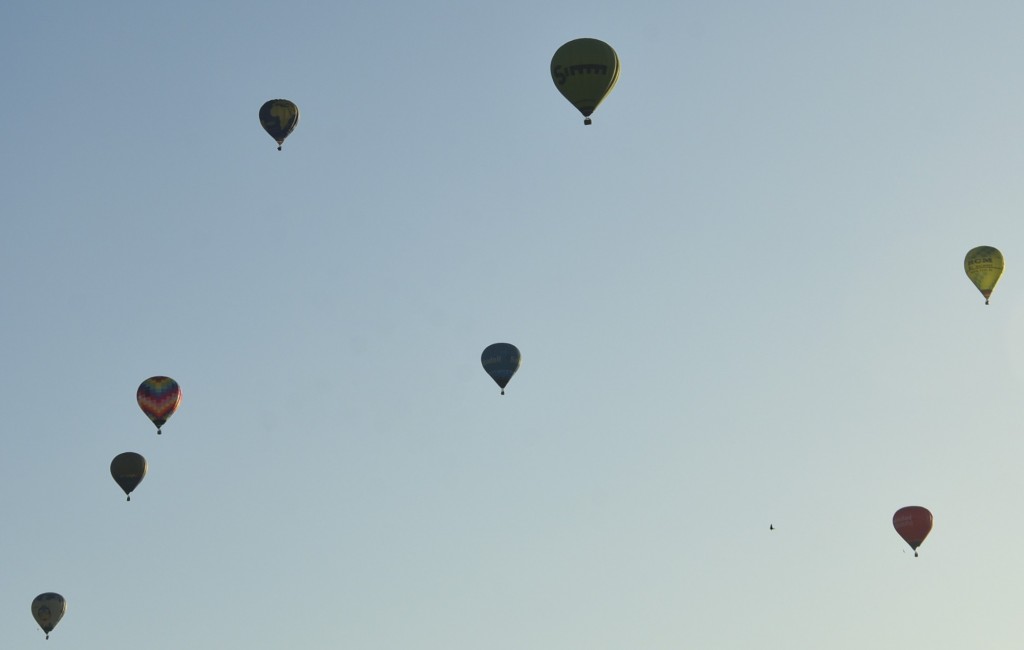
x: 739, y: 297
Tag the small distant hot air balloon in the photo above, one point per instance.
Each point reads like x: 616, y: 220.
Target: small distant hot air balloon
x: 585, y: 71
x: 159, y: 398
x: 48, y: 609
x: 128, y: 470
x: 913, y: 523
x: 279, y: 118
x: 984, y: 265
x: 500, y: 361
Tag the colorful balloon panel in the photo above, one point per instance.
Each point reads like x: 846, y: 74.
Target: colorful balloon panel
x: 159, y: 398
x: 913, y: 523
x: 48, y: 609
x: 984, y: 266
x: 501, y: 361
x: 279, y: 118
x: 128, y: 470
x: 585, y: 70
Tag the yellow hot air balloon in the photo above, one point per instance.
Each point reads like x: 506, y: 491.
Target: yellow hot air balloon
x: 585, y: 71
x: 984, y: 265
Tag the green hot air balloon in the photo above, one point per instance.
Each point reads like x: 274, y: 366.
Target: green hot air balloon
x: 279, y: 118
x: 585, y: 71
x: 128, y: 470
x: 500, y: 361
x: 984, y: 265
x: 48, y: 609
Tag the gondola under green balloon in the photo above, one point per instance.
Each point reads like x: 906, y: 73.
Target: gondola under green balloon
x: 984, y: 266
x: 128, y: 470
x: 585, y: 71
x: 279, y: 118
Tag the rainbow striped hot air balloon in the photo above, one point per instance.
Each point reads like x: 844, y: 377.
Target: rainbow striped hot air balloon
x: 159, y: 398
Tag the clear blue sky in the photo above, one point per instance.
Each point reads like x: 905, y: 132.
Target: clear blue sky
x: 739, y: 296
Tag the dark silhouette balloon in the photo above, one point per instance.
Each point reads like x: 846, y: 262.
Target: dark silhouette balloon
x: 585, y: 71
x: 500, y: 361
x: 128, y: 470
x: 913, y: 523
x: 159, y: 398
x: 279, y: 118
x: 48, y: 609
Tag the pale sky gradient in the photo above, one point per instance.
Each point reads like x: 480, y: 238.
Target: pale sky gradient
x: 739, y: 297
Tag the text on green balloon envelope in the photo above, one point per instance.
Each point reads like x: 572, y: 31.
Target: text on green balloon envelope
x: 560, y: 73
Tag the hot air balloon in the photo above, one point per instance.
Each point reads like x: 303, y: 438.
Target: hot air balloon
x: 128, y: 470
x: 500, y: 361
x: 913, y: 523
x: 585, y: 71
x: 279, y: 118
x: 159, y: 398
x: 48, y: 609
x: 984, y: 265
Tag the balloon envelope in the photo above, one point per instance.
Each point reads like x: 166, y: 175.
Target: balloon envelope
x: 128, y: 470
x: 279, y: 118
x: 984, y: 266
x: 159, y: 398
x: 913, y: 523
x: 48, y: 609
x: 500, y: 361
x: 585, y: 71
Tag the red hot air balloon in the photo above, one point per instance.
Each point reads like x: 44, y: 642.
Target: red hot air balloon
x: 159, y: 398
x: 913, y: 523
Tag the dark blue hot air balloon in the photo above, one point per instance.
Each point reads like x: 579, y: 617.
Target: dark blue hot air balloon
x: 500, y: 361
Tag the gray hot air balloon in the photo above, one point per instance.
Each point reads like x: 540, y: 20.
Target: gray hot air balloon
x: 48, y: 609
